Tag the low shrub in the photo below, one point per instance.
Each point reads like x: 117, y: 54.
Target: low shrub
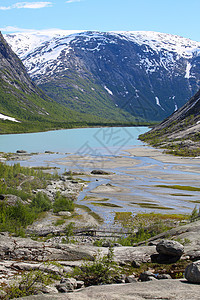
x: 30, y: 284
x: 62, y: 203
x: 41, y: 202
x: 101, y: 271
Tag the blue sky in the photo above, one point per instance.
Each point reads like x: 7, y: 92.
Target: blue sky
x: 179, y: 17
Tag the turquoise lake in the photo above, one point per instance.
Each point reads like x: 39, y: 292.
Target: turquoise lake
x: 136, y: 183
x: 104, y: 140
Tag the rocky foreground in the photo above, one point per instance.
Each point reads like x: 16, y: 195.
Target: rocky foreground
x: 24, y: 254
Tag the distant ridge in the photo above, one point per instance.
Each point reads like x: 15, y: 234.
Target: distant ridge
x: 24, y: 107
x: 147, y: 74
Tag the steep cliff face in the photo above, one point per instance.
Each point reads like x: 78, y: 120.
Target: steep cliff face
x: 180, y: 133
x: 19, y: 96
x: 147, y: 74
x: 24, y: 107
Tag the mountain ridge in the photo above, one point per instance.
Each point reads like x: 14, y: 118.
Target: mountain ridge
x: 179, y: 133
x: 24, y: 107
x: 147, y: 74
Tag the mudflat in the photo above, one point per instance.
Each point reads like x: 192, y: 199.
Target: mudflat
x: 141, y: 179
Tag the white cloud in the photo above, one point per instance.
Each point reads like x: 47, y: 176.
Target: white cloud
x: 32, y: 5
x: 72, y: 1
x: 14, y: 29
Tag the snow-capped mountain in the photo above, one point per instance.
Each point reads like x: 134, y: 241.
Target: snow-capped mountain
x: 148, y: 74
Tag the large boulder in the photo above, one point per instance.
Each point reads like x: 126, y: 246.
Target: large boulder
x: 170, y: 248
x: 192, y: 272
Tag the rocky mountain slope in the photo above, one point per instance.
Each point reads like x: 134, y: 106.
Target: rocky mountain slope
x: 180, y: 132
x: 24, y: 107
x: 147, y: 74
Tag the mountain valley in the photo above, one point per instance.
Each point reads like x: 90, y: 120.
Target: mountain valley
x: 147, y: 75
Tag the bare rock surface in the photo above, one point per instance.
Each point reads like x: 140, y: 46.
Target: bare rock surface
x: 157, y: 289
x: 192, y: 272
x: 169, y: 247
x: 131, y: 254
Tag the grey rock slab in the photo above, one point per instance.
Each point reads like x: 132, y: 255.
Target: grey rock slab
x: 140, y: 254
x: 159, y: 289
x: 27, y: 249
x: 192, y: 272
x: 169, y: 247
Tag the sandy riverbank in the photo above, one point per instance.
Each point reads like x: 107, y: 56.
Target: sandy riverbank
x: 146, y: 151
x: 135, y: 179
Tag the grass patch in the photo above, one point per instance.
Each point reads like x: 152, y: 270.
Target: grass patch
x: 127, y: 219
x: 44, y: 168
x: 90, y: 212
x: 106, y: 204
x: 181, y: 195
x: 90, y: 198
x: 59, y: 222
x: 151, y: 205
x: 179, y: 187
x: 62, y: 203
x: 103, y: 270
x: 195, y: 201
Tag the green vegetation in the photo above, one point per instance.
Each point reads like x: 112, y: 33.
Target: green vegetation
x: 195, y: 214
x: 62, y: 203
x: 59, y: 222
x: 101, y: 271
x: 151, y: 205
x: 90, y: 212
x: 147, y: 225
x: 180, y: 187
x: 41, y: 203
x: 37, y: 112
x: 126, y: 219
x: 161, y: 138
x: 30, y: 283
x: 17, y: 213
x: 105, y: 204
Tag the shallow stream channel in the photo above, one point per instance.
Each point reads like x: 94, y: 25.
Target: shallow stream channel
x: 138, y: 179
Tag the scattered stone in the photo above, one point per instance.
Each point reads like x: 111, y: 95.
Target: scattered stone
x: 49, y: 152
x: 64, y: 213
x: 80, y: 284
x: 107, y: 244
x: 67, y: 285
x: 49, y: 290
x: 62, y: 288
x: 146, y: 276
x: 169, y: 247
x: 130, y: 279
x: 12, y: 200
x: 194, y: 255
x: 21, y: 151
x: 117, y: 245
x: 72, y: 281
x: 163, y: 276
x: 100, y: 172
x: 192, y: 272
x: 120, y: 278
x: 135, y: 264
x: 2, y: 197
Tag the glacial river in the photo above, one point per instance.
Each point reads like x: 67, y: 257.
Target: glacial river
x: 134, y: 185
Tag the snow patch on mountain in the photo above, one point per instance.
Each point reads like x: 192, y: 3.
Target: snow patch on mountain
x: 107, y: 89
x: 158, y: 103
x: 4, y: 117
x: 187, y: 71
x: 163, y: 41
